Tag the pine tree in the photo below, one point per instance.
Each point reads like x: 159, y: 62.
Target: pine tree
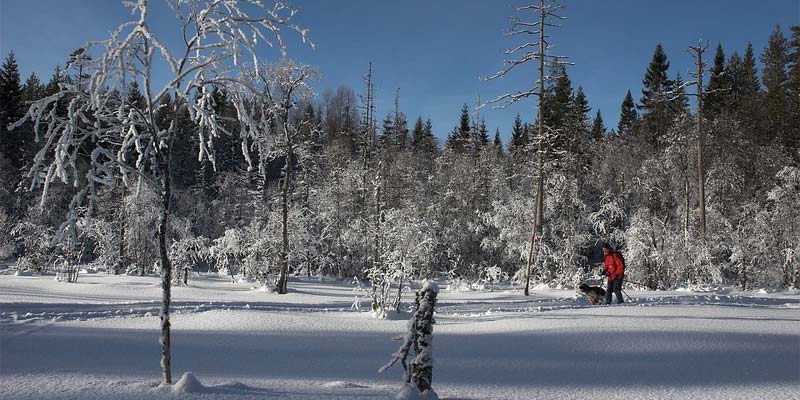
x: 12, y: 143
x: 77, y: 62
x: 717, y: 97
x: 464, y: 126
x: 794, y: 93
x: 519, y: 136
x: 430, y: 145
x: 733, y: 69
x: 775, y: 59
x: 33, y: 89
x: 483, y: 133
x: 417, y: 134
x: 656, y: 116
x: 580, y: 113
x: 598, y: 129
x: 498, y: 143
x: 558, y: 110
x: 749, y: 90
x: 401, y: 131
x: 628, y: 116
x: 460, y: 137
x: 388, y: 137
x: 10, y: 92
x: 55, y: 80
x: 680, y: 101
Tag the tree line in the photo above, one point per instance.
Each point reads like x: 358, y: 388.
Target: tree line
x: 340, y: 194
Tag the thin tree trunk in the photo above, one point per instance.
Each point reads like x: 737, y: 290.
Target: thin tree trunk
x: 537, y: 227
x: 122, y: 222
x: 166, y: 273
x: 284, y: 256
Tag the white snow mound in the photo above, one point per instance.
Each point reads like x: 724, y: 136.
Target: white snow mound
x: 410, y: 392
x: 343, y: 385
x: 189, y: 384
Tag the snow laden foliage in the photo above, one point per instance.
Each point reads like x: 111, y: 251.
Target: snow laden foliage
x: 106, y: 131
x: 418, y: 372
x: 7, y: 245
x: 402, y: 246
x: 266, y: 100
x: 185, y: 255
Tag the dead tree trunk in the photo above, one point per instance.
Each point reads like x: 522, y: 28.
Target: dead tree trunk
x: 537, y: 226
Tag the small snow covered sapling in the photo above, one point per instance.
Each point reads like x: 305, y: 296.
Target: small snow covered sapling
x: 133, y: 142
x: 418, y: 373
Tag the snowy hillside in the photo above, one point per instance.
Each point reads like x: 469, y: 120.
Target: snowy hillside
x: 98, y: 339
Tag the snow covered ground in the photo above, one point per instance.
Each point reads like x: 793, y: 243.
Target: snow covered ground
x: 98, y: 339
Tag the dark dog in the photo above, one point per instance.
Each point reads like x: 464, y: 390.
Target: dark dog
x: 596, y: 294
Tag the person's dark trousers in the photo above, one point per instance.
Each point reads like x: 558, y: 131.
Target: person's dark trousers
x: 616, y: 287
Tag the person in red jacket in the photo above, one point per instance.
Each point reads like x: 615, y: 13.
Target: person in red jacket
x: 614, y: 267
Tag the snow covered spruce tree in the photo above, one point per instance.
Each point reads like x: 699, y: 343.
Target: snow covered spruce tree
x: 546, y: 136
x: 418, y: 372
x: 266, y: 102
x: 102, y: 135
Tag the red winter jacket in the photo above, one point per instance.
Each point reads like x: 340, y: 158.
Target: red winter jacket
x: 613, y: 264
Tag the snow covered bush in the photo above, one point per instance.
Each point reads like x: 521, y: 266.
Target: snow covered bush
x: 7, y: 245
x: 185, y: 254
x: 229, y: 251
x: 493, y: 275
x: 785, y: 222
x: 35, y: 238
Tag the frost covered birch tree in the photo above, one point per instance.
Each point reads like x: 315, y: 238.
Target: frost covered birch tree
x: 116, y: 138
x: 265, y: 104
x: 527, y: 52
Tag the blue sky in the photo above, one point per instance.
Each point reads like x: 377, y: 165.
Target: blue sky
x: 436, y: 50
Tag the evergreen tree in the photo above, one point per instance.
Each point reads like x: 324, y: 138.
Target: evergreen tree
x: 135, y: 96
x: 417, y: 134
x: 430, y: 145
x: 454, y: 142
x: 717, y: 98
x: 733, y: 69
x: 775, y: 59
x: 11, y: 106
x: 598, y: 128
x: 628, y: 116
x: 387, y: 132
x: 464, y: 128
x: 498, y: 143
x: 749, y: 91
x: 794, y: 93
x: 656, y: 109
x: 401, y: 131
x: 77, y: 62
x: 33, y: 89
x: 519, y: 136
x: 580, y: 113
x: 483, y: 133
x: 460, y: 137
x: 55, y: 80
x: 11, y: 109
x: 558, y: 108
x: 679, y: 103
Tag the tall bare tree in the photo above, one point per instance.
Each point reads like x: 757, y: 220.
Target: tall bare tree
x: 537, y: 51
x: 267, y: 101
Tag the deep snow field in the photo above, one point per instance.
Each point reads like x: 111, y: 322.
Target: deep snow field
x: 98, y: 339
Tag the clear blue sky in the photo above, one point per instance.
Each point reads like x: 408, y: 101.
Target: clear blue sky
x: 435, y: 50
